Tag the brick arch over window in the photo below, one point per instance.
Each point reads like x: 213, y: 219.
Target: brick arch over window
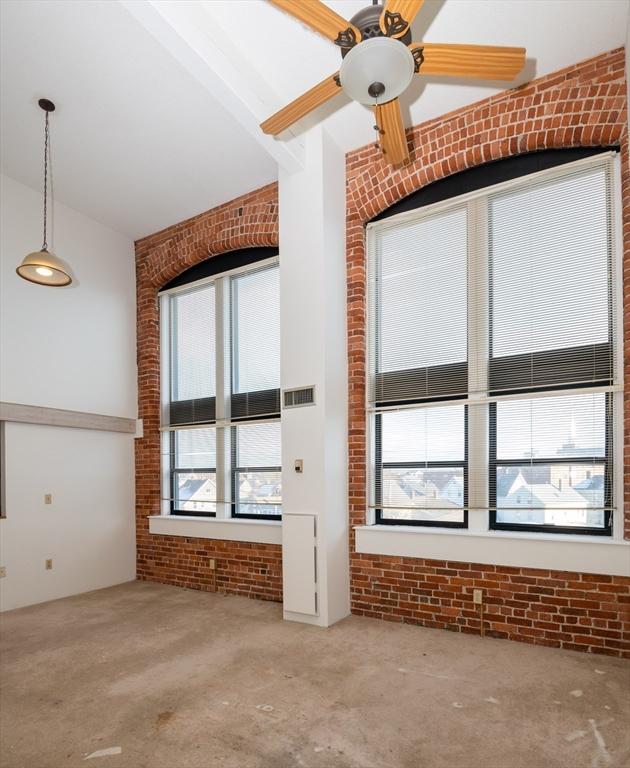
x: 247, y: 222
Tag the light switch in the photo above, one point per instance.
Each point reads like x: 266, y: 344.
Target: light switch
x: 299, y: 466
x: 48, y: 498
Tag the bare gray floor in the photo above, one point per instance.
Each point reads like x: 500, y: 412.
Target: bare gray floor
x: 161, y: 677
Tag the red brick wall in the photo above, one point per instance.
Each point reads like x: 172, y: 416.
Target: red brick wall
x: 254, y: 570
x: 580, y: 106
x: 583, y: 105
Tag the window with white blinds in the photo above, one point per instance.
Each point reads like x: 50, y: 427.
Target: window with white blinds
x: 256, y: 467
x: 421, y: 473
x: 419, y: 320
x: 194, y: 474
x: 550, y: 247
x: 221, y: 395
x: 193, y: 355
x: 493, y: 374
x: 255, y: 344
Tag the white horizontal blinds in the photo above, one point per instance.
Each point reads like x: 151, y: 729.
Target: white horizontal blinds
x: 551, y: 462
x: 418, y: 326
x: 256, y: 343
x: 193, y: 357
x: 192, y: 457
x: 257, y: 483
x: 492, y: 349
x: 551, y: 329
x: 550, y: 247
x: 421, y: 465
x: 223, y: 343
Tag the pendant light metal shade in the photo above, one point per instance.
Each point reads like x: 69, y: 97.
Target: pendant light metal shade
x: 42, y: 266
x: 45, y: 268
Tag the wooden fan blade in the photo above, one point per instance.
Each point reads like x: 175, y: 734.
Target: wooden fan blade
x: 392, y: 132
x: 398, y: 15
x: 322, y: 19
x: 301, y: 106
x: 490, y: 62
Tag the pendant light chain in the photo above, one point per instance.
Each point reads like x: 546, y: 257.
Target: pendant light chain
x: 45, y: 244
x: 377, y: 129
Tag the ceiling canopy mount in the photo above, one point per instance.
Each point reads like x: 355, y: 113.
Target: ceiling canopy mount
x: 47, y: 105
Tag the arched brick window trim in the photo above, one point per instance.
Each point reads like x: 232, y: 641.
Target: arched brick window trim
x: 581, y: 106
x: 255, y: 570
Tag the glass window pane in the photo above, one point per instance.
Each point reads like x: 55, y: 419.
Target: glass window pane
x: 256, y: 331
x: 195, y: 448
x: 193, y: 342
x: 426, y: 434
x: 552, y: 494
x: 552, y: 427
x: 259, y: 493
x: 195, y: 492
x: 550, y: 253
x: 435, y: 494
x: 422, y: 292
x: 258, y: 445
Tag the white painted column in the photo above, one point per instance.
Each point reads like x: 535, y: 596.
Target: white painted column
x: 313, y: 352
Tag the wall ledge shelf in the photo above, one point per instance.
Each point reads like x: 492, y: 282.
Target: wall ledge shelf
x: 579, y: 554
x: 254, y: 531
x: 57, y: 417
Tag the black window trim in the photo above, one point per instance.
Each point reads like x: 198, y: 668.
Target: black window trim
x: 252, y: 407
x: 174, y: 472
x: 607, y: 460
x: 234, y: 472
x: 379, y: 466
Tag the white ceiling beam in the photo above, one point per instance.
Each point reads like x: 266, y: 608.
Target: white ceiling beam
x: 185, y: 30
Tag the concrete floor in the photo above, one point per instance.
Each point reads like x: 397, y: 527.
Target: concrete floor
x: 170, y: 678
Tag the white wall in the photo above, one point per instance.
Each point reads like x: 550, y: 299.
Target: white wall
x: 70, y: 348
x: 313, y: 352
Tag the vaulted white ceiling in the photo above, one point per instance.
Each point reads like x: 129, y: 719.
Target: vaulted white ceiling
x: 159, y: 102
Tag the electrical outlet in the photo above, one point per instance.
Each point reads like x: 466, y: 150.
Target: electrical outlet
x: 48, y: 498
x: 3, y: 572
x: 49, y: 565
x: 477, y: 596
x: 212, y: 564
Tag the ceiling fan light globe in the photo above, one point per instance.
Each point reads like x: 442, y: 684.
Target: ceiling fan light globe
x: 44, y: 268
x: 376, y: 60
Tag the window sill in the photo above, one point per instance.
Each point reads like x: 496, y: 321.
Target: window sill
x: 558, y: 552
x: 256, y: 531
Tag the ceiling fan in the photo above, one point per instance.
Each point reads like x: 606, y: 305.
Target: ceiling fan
x: 379, y: 61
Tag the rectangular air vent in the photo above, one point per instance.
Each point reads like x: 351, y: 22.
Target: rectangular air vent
x: 295, y: 398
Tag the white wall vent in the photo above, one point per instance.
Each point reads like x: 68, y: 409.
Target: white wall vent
x: 296, y: 398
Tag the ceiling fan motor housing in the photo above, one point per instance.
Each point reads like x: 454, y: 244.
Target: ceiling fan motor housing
x: 380, y: 67
x: 367, y: 22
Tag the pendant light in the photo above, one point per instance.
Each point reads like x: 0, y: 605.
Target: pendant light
x: 42, y: 266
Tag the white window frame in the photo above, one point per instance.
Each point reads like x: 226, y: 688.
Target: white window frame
x: 223, y: 526
x: 478, y: 543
